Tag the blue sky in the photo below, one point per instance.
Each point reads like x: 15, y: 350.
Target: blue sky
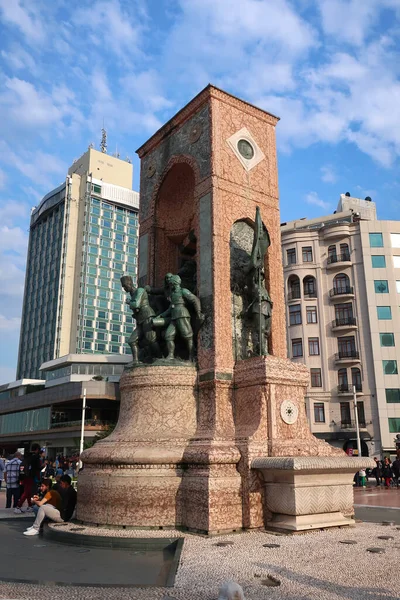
x: 328, y: 68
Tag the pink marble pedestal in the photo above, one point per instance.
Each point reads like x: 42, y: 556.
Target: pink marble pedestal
x: 133, y: 477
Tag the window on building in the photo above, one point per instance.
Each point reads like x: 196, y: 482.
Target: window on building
x: 387, y: 339
x: 291, y: 256
x: 396, y: 262
x: 344, y: 314
x: 345, y: 414
x: 344, y: 252
x: 295, y: 314
x: 356, y: 379
x: 376, y: 240
x: 100, y: 347
x: 392, y: 395
x: 115, y: 350
x: 332, y: 254
x: 394, y: 425
x: 378, y: 261
x: 87, y: 345
x: 101, y: 325
x: 294, y: 288
x: 342, y: 380
x: 390, y: 367
x: 313, y: 346
x: 88, y: 323
x: 307, y: 254
x: 319, y: 412
x: 395, y: 240
x: 347, y: 347
x: 311, y: 312
x: 361, y: 413
x: 341, y: 284
x: 297, y: 347
x: 381, y: 286
x: 96, y: 189
x: 88, y: 334
x: 398, y: 286
x: 316, y: 377
x: 101, y: 336
x: 384, y: 313
x: 310, y: 287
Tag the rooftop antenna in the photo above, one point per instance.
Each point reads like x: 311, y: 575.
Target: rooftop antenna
x: 91, y: 145
x: 103, y: 143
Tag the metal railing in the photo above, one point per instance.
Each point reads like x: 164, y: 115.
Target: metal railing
x: 336, y: 258
x: 345, y: 388
x: 347, y: 354
x: 352, y: 424
x: 294, y: 295
x: 344, y: 321
x: 88, y: 423
x: 341, y: 290
x: 311, y: 294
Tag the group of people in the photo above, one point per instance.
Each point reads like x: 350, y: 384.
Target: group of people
x: 28, y: 479
x: 387, y: 472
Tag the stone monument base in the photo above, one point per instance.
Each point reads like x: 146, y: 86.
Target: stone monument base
x: 306, y: 493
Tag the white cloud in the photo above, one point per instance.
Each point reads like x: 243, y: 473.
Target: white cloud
x: 313, y: 198
x: 328, y: 174
x: 18, y: 59
x: 9, y: 324
x: 35, y: 165
x: 118, y: 25
x: 349, y: 21
x: 12, y: 211
x: 3, y: 179
x: 24, y: 16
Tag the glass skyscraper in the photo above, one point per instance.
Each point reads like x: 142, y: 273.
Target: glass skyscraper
x: 83, y: 237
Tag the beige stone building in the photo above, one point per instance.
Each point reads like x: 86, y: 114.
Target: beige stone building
x: 342, y: 286
x: 83, y: 237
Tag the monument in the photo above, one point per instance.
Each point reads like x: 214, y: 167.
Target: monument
x: 212, y: 434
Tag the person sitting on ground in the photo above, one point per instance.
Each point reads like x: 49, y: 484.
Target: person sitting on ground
x: 68, y: 497
x: 49, y: 506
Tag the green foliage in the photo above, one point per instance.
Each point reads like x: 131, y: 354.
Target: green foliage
x: 100, y: 435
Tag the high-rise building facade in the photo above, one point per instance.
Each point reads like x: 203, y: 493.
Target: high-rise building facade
x: 83, y: 237
x: 342, y: 286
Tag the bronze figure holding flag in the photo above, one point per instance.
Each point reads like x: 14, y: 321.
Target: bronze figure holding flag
x: 260, y: 306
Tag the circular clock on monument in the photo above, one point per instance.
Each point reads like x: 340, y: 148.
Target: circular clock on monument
x: 289, y: 412
x: 245, y: 149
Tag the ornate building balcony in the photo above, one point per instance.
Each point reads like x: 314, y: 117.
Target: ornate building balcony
x: 352, y: 425
x: 344, y: 323
x: 340, y: 293
x: 294, y: 295
x: 347, y: 357
x: 346, y: 389
x: 339, y: 260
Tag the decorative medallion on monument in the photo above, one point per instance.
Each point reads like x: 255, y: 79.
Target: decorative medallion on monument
x: 289, y: 412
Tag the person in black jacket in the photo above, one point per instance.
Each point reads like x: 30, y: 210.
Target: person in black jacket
x: 377, y: 471
x: 387, y: 472
x: 396, y: 470
x: 68, y: 497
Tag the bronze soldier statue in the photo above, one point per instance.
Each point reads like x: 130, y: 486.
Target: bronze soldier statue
x: 177, y: 316
x: 144, y: 336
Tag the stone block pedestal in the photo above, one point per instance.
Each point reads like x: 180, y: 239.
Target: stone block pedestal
x: 304, y: 493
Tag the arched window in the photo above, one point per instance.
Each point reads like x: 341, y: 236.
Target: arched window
x: 341, y: 284
x: 342, y: 380
x: 293, y: 288
x: 356, y: 379
x: 310, y: 287
x: 332, y: 256
x: 344, y: 252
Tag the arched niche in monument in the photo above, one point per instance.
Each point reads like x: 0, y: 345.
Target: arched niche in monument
x: 174, y: 209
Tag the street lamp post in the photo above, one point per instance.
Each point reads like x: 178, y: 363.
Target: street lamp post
x: 356, y: 418
x: 82, y: 427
